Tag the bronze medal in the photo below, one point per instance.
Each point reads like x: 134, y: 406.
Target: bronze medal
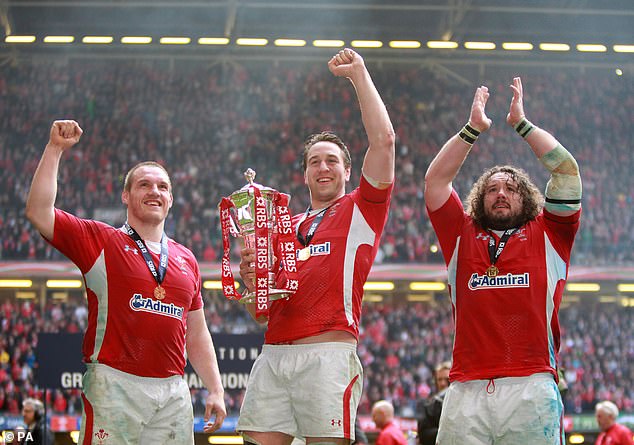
x: 492, y: 271
x: 159, y: 292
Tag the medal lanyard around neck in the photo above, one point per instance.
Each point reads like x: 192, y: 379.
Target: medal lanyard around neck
x: 159, y: 275
x: 496, y: 251
x: 313, y: 227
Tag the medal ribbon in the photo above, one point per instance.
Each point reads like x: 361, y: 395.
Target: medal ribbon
x: 159, y: 275
x: 496, y: 251
x: 313, y: 226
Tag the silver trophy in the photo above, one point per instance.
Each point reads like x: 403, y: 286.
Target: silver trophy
x: 243, y: 213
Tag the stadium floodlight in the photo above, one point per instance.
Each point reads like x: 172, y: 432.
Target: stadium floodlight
x: 16, y: 283
x: 19, y: 39
x: 554, y: 47
x: 625, y: 287
x: 60, y: 296
x: 583, y: 287
x: 479, y: 45
x: 517, y: 46
x: 591, y: 48
x: 442, y: 44
x: 608, y: 299
x: 427, y: 285
x: 405, y: 44
x: 225, y: 440
x: 59, y: 39
x: 372, y: 298
x: 576, y: 439
x: 213, y: 41
x: 103, y: 40
x: 378, y: 285
x: 175, y: 40
x: 419, y: 297
x: 136, y: 40
x: 216, y: 284
x: 328, y: 43
x: 366, y: 44
x: 623, y: 48
x: 57, y: 284
x: 247, y: 41
x: 289, y: 42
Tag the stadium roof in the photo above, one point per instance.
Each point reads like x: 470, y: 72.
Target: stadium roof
x: 539, y: 21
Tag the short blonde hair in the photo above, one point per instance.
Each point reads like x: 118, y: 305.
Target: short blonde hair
x: 607, y: 407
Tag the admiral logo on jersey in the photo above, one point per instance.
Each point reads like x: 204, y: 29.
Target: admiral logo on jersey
x: 479, y: 282
x: 317, y: 249
x: 138, y: 303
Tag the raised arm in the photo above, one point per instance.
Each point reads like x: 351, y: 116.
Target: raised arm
x: 40, y: 204
x: 563, y: 191
x: 202, y: 356
x: 445, y: 166
x: 378, y: 165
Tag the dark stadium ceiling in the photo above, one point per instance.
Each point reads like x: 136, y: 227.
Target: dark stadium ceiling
x: 536, y: 21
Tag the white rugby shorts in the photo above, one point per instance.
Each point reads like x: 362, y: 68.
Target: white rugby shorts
x: 124, y: 409
x: 504, y: 411
x: 306, y: 390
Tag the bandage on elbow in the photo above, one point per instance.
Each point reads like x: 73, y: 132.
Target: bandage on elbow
x: 563, y: 191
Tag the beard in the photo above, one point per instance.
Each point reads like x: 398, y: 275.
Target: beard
x: 494, y: 222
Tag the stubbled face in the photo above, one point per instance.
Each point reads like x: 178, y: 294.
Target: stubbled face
x: 150, y: 196
x: 502, y: 202
x: 325, y: 174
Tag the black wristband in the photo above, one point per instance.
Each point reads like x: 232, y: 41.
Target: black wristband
x: 468, y: 134
x: 524, y: 127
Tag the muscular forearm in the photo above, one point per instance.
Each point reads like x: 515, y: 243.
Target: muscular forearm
x: 41, y: 199
x: 379, y: 161
x: 442, y: 171
x: 373, y: 112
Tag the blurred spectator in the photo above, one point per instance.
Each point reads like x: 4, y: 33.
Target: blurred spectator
x: 383, y: 417
x: 35, y: 421
x: 612, y: 433
x: 430, y: 412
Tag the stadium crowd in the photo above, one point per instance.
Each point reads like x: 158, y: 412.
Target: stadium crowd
x: 399, y: 347
x: 208, y: 123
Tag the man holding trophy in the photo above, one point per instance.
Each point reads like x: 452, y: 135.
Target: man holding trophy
x: 308, y: 380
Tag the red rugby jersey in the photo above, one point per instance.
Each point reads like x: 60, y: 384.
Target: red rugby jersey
x: 505, y: 326
x: 331, y: 280
x: 128, y: 329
